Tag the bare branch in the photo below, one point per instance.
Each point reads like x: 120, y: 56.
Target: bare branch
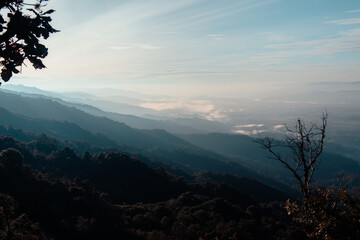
x: 306, y: 144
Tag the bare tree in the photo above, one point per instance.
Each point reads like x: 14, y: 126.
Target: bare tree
x: 306, y: 143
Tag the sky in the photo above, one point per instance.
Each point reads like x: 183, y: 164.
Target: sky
x: 225, y: 48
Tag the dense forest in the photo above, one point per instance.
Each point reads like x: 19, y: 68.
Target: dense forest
x: 58, y: 194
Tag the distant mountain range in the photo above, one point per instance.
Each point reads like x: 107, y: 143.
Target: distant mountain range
x: 225, y: 153
x: 42, y: 115
x: 131, y: 118
x: 243, y: 150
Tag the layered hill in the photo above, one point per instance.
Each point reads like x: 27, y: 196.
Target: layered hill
x: 41, y: 115
x: 224, y: 153
x: 243, y: 150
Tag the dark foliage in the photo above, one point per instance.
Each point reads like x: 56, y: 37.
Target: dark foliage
x: 58, y: 204
x: 251, y: 187
x: 21, y: 27
x: 119, y: 175
x: 193, y: 216
x: 328, y: 214
x: 60, y: 208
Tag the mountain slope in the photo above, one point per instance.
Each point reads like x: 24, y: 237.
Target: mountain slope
x: 40, y: 108
x: 61, y: 130
x: 243, y: 150
x: 153, y: 144
x: 114, y: 111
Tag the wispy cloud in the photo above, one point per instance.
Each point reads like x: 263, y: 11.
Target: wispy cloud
x: 221, y: 11
x: 277, y: 127
x: 191, y: 106
x: 345, y: 21
x: 121, y: 47
x: 335, y: 83
x: 253, y: 132
x: 279, y: 53
x: 352, y: 32
x: 148, y: 47
x: 353, y: 11
x: 168, y: 32
x: 175, y: 43
x: 275, y: 37
x: 214, y: 35
x: 136, y: 46
x: 247, y: 129
x: 216, y: 115
x: 249, y: 125
x: 344, y: 41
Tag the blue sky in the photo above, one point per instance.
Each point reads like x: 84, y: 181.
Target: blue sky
x: 200, y: 47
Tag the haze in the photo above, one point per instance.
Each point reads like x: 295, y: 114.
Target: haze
x: 201, y: 48
x: 251, y: 65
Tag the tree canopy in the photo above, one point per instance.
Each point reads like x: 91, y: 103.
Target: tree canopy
x: 22, y: 26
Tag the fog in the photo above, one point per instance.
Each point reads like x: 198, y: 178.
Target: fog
x: 247, y: 115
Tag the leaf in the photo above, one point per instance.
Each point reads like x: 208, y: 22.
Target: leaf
x: 15, y: 71
x: 6, y: 74
x: 42, y: 50
x: 49, y: 11
x: 2, y: 19
x: 37, y: 63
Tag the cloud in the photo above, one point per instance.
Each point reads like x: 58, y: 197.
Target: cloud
x: 196, y: 106
x: 121, y: 47
x: 249, y: 125
x: 216, y: 115
x: 275, y: 37
x: 345, y: 21
x: 169, y: 32
x: 135, y: 46
x: 215, y: 35
x: 335, y: 83
x: 248, y: 130
x: 202, y: 108
x: 352, y: 32
x: 253, y: 132
x: 277, y: 127
x: 280, y: 52
x: 148, y: 47
x: 353, y: 11
x: 211, y: 13
x: 344, y: 41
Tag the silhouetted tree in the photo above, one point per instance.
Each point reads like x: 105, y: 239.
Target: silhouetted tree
x: 21, y: 26
x: 305, y: 144
x: 324, y: 213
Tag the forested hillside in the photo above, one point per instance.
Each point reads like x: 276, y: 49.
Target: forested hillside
x: 87, y: 197
x: 226, y: 153
x: 67, y: 174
